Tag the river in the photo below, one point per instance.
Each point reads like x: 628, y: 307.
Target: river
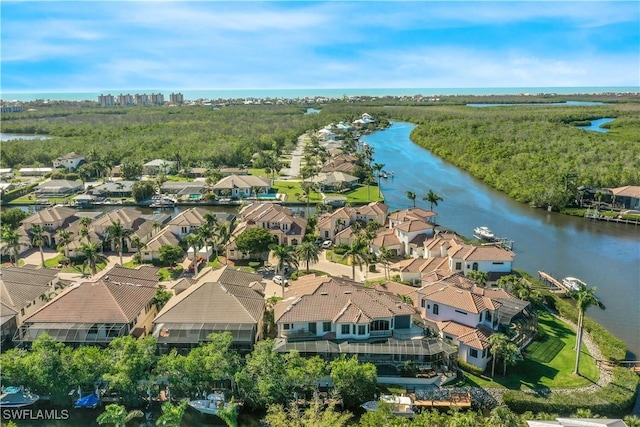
x: 605, y: 255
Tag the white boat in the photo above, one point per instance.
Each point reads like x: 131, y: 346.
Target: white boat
x: 17, y: 397
x: 573, y: 283
x: 211, y: 404
x: 161, y: 202
x: 483, y: 233
x: 401, y: 405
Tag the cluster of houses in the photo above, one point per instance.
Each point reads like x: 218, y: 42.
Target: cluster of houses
x: 442, y: 317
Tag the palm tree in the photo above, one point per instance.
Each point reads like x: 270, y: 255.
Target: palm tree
x: 137, y: 242
x: 194, y: 240
x: 411, y: 196
x: 377, y: 167
x: 37, y: 233
x: 308, y: 252
x: 510, y: 354
x: 11, y: 242
x: 172, y: 415
x: 225, y: 233
x: 358, y: 252
x: 385, y: 256
x: 285, y: 255
x: 433, y: 198
x: 84, y: 227
x: 479, y: 276
x: 118, y: 415
x: 118, y: 233
x: 498, y: 343
x: 93, y: 256
x: 585, y: 298
x: 64, y: 238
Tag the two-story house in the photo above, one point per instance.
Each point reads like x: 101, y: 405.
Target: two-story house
x: 330, y: 224
x: 288, y: 229
x: 94, y: 313
x: 70, y: 161
x: 51, y: 220
x: 189, y: 220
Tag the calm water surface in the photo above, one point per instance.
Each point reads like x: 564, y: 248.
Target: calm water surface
x: 604, y: 255
x: 595, y: 125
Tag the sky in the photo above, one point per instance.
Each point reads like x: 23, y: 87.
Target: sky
x: 81, y: 46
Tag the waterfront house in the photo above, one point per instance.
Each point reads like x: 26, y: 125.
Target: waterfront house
x: 345, y: 163
x: 187, y: 221
x: 186, y: 191
x: 223, y: 300
x: 493, y: 260
x: 404, y: 215
x: 151, y: 250
x: 70, y: 161
x: 328, y: 316
x: 58, y: 188
x: 114, y: 189
x: 23, y: 291
x: 627, y: 197
x: 241, y: 186
x: 34, y: 171
x: 156, y: 166
x: 93, y: 313
x: 330, y: 224
x: 334, y: 181
x: 51, y: 219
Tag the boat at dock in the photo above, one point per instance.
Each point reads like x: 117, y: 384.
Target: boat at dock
x: 17, y: 397
x: 483, y: 233
x: 211, y: 404
x: 158, y: 202
x: 400, y: 405
x: 573, y: 283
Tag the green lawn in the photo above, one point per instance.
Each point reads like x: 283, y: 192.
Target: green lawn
x: 547, y: 363
x: 359, y: 195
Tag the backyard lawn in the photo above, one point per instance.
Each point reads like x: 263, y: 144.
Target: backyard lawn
x: 547, y: 363
x: 359, y: 195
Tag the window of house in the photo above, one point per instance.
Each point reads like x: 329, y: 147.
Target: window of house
x: 22, y: 311
x: 449, y: 337
x: 436, y: 308
x: 498, y: 263
x: 93, y: 329
x: 362, y: 329
x: 487, y: 316
x: 184, y: 230
x: 458, y: 266
x: 286, y: 326
x: 380, y: 325
x: 326, y: 234
x: 345, y: 329
x: 473, y: 352
x: 326, y: 326
x: 475, y: 266
x: 461, y: 312
x: 423, y: 303
x: 313, y: 327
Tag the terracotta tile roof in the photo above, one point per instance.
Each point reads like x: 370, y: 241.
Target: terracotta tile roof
x: 399, y: 289
x: 96, y: 302
x: 339, y: 299
x: 241, y: 181
x: 457, y: 298
x: 414, y: 225
x: 21, y: 285
x: 164, y: 237
x: 196, y: 217
x: 373, y: 208
x: 129, y: 218
x: 411, y: 214
x: 477, y: 338
x: 488, y: 253
x: 214, y: 302
x: 421, y: 265
x: 144, y: 275
x: 51, y: 215
x: 626, y: 191
x: 228, y: 276
x: 387, y: 238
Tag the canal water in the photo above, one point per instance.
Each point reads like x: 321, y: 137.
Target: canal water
x: 604, y: 255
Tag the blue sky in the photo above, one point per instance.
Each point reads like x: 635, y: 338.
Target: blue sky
x: 92, y: 46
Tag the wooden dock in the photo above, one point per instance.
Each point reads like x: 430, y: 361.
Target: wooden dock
x: 458, y: 399
x: 556, y: 285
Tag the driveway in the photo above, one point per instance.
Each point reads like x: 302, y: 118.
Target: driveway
x: 293, y: 171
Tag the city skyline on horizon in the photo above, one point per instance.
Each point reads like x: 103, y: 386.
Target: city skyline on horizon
x: 271, y: 45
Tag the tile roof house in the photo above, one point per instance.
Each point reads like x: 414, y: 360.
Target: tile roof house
x: 334, y: 181
x: 223, y: 300
x: 628, y: 197
x: 241, y: 186
x: 328, y: 316
x: 58, y: 188
x: 156, y: 166
x: 330, y: 224
x: 94, y: 313
x: 404, y: 215
x: 50, y: 219
x: 23, y: 290
x: 467, y: 314
x: 187, y: 221
x: 70, y: 161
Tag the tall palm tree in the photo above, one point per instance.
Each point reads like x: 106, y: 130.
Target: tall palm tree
x: 11, y: 243
x: 38, y: 235
x: 358, y: 252
x: 384, y: 257
x: 285, y: 255
x: 225, y: 234
x: 194, y: 240
x: 308, y: 252
x: 479, y: 276
x: 585, y: 298
x: 93, y: 256
x: 118, y: 415
x: 117, y: 232
x: 84, y: 227
x: 137, y: 242
x: 510, y: 354
x: 411, y: 196
x: 64, y: 238
x: 377, y: 167
x: 433, y: 198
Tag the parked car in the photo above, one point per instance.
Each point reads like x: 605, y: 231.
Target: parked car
x: 326, y: 244
x: 278, y: 280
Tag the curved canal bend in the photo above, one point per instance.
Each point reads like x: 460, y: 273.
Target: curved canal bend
x: 605, y: 255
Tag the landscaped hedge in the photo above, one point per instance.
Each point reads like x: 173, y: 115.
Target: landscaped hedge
x: 613, y: 399
x: 18, y: 192
x: 468, y: 367
x: 299, y: 273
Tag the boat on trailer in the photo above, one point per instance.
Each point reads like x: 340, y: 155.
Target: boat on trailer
x: 17, y: 397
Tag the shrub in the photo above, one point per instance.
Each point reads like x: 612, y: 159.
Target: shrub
x: 340, y: 249
x: 255, y: 264
x: 468, y: 367
x: 299, y: 273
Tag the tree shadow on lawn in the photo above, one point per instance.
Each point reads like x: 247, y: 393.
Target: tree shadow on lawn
x: 526, y: 374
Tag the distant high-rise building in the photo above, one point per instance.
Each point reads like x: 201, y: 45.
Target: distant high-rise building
x: 177, y: 98
x: 142, y: 99
x: 125, y: 100
x: 157, y: 98
x: 106, y: 100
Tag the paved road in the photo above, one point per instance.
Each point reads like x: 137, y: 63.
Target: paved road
x: 293, y: 171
